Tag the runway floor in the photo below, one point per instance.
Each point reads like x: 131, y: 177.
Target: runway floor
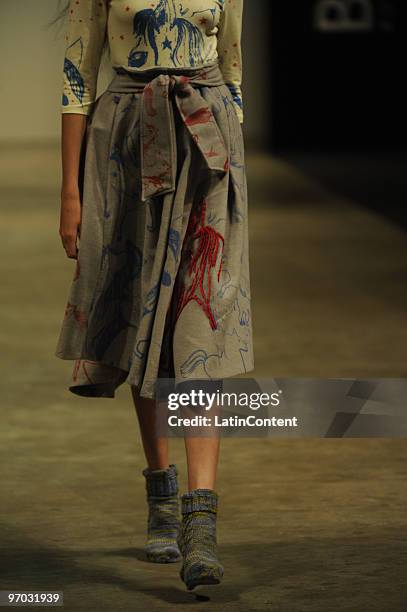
x: 305, y: 525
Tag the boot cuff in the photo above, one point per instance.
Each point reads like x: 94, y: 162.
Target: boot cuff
x: 199, y: 500
x: 161, y: 483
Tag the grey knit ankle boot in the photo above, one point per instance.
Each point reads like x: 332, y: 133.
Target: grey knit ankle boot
x: 197, y: 539
x: 163, y: 515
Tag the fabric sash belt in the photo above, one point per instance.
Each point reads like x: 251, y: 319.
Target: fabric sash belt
x: 160, y: 89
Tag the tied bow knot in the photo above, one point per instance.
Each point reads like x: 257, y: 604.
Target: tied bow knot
x: 158, y: 132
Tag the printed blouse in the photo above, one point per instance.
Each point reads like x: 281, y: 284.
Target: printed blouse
x: 142, y: 35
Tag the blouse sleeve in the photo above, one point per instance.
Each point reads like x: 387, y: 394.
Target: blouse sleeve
x: 85, y: 36
x: 230, y: 52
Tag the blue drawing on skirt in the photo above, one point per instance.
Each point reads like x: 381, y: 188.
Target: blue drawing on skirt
x: 151, y: 300
x: 108, y: 311
x: 174, y: 242
x: 228, y: 104
x: 71, y: 69
x: 197, y: 358
x: 242, y: 351
x: 228, y: 287
x: 147, y: 25
x: 140, y: 349
x: 243, y: 314
x: 213, y: 219
x: 235, y: 343
x: 115, y: 155
x: 166, y: 278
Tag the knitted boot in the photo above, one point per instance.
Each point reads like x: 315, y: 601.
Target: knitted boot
x: 197, y: 539
x: 163, y: 515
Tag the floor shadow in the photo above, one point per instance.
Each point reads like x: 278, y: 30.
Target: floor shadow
x: 377, y: 181
x: 364, y: 571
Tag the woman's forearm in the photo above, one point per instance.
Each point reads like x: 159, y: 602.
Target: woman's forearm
x: 73, y: 130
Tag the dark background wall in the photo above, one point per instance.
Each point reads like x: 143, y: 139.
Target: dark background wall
x: 338, y: 81
x: 257, y: 72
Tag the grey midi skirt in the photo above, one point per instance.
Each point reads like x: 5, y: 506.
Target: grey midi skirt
x: 161, y: 286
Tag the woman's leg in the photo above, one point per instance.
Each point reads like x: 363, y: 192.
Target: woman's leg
x: 202, y: 460
x: 202, y: 445
x: 155, y: 448
x: 199, y: 507
x: 161, y: 484
x: 202, y: 452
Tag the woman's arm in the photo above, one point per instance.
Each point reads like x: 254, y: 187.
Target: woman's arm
x: 85, y: 35
x: 73, y: 129
x: 230, y: 51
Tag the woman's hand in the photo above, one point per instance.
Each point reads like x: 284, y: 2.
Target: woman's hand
x: 70, y: 222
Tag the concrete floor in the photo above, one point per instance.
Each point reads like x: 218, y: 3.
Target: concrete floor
x: 312, y: 525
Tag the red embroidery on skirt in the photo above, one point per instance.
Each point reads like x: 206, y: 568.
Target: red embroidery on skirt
x: 79, y: 315
x: 201, y: 264
x: 77, y: 366
x: 148, y: 101
x: 201, y: 115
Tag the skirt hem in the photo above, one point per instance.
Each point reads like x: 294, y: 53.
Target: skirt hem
x: 108, y: 389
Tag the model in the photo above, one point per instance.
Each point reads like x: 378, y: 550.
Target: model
x: 154, y: 211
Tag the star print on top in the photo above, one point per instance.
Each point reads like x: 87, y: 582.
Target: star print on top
x: 141, y: 35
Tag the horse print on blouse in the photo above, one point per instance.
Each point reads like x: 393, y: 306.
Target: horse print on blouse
x: 168, y: 18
